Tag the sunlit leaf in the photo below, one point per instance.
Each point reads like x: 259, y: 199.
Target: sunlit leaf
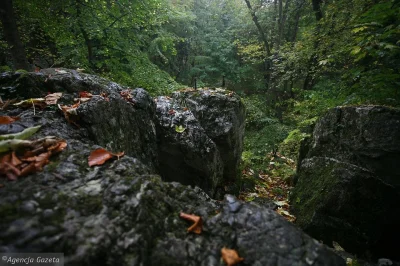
x: 179, y: 129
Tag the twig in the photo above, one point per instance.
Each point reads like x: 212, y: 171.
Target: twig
x: 34, y: 110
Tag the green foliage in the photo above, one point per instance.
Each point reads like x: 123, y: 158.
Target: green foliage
x: 258, y: 113
x: 110, y: 38
x: 263, y: 132
x: 284, y: 171
x: 291, y: 145
x: 5, y: 68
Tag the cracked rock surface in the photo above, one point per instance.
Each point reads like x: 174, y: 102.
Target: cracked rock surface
x: 349, y: 179
x: 122, y: 213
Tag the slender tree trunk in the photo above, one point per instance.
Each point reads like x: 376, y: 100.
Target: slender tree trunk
x: 310, y: 78
x: 283, y: 22
x: 279, y: 26
x: 88, y: 41
x: 316, y: 4
x: 12, y: 36
x: 268, y: 65
x: 293, y: 34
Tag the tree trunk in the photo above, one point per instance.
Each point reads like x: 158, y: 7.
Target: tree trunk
x: 88, y: 41
x: 283, y: 22
x: 279, y: 28
x: 299, y: 7
x: 310, y: 79
x: 268, y: 65
x: 316, y: 4
x: 12, y: 37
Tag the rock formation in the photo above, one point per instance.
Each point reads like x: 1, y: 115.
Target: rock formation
x: 121, y: 212
x: 348, y: 181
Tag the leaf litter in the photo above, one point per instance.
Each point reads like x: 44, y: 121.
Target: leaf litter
x: 271, y: 185
x: 28, y: 156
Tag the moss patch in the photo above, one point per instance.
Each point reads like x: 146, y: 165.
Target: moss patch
x: 315, y: 180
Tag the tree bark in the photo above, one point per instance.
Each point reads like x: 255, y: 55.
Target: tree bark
x: 284, y: 18
x: 12, y: 36
x: 280, y: 19
x: 88, y: 41
x: 316, y: 4
x: 264, y: 38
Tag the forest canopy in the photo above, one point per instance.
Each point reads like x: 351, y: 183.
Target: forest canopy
x: 322, y: 52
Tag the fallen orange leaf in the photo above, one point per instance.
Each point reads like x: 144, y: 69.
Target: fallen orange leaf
x: 70, y: 112
x: 14, y: 159
x: 12, y: 165
x: 100, y: 156
x: 198, y: 222
x: 126, y: 94
x: 8, y: 119
x: 85, y: 94
x: 30, y: 168
x: 230, y: 256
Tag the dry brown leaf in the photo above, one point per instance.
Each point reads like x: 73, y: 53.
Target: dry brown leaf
x: 11, y: 168
x: 70, y: 112
x: 197, y: 227
x: 41, y: 160
x: 14, y: 159
x: 52, y: 98
x: 5, y: 158
x: 126, y: 94
x: 230, y: 256
x: 82, y: 100
x: 105, y: 96
x: 100, y: 156
x: 85, y: 94
x: 58, y: 147
x: 8, y: 119
x: 13, y: 165
x: 4, y: 105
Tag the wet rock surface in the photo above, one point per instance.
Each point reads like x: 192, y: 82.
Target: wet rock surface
x: 189, y: 157
x: 122, y: 213
x: 348, y: 181
x: 221, y: 113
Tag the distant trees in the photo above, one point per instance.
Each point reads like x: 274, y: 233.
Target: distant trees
x: 273, y: 47
x: 12, y: 36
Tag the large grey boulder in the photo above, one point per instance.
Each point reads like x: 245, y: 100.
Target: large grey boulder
x: 122, y: 213
x: 221, y: 113
x: 189, y: 157
x: 109, y: 121
x: 34, y: 85
x: 348, y: 180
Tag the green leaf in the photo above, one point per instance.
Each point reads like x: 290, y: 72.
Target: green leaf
x: 179, y: 129
x: 21, y: 135
x: 356, y: 50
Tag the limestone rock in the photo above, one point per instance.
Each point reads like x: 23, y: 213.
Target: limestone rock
x: 348, y: 180
x: 221, y: 113
x: 122, y: 213
x: 189, y: 157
